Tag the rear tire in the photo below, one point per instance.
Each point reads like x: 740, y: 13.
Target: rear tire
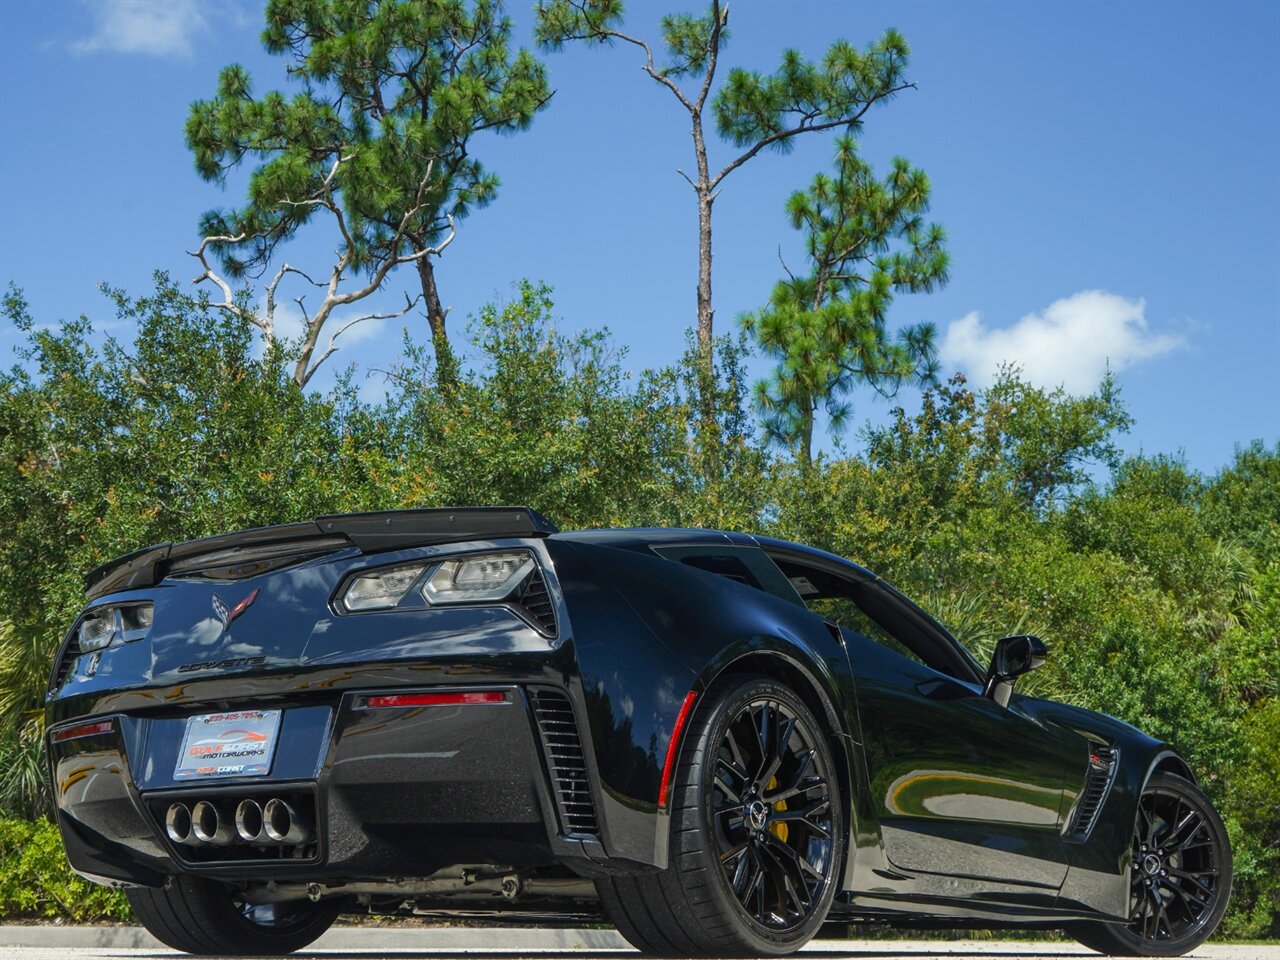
x: 1180, y: 875
x: 757, y: 833
x: 202, y: 917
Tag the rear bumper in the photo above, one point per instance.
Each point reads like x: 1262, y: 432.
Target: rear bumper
x: 391, y: 792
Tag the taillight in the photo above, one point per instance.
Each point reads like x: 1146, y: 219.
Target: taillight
x: 83, y: 730
x: 454, y: 698
x: 123, y: 622
x: 96, y: 631
x: 475, y: 579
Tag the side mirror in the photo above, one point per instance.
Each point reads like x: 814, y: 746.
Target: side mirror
x: 1013, y: 657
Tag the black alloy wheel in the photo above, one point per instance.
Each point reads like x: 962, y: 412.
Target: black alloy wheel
x: 1180, y: 876
x: 757, y: 832
x: 772, y: 814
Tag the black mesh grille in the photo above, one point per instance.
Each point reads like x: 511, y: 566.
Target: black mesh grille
x: 537, y: 602
x: 1102, y: 765
x: 563, y: 749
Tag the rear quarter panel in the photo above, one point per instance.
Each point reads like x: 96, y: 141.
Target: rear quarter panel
x: 647, y: 631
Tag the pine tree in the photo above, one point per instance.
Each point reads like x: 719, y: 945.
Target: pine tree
x: 379, y: 135
x: 752, y: 111
x: 865, y: 240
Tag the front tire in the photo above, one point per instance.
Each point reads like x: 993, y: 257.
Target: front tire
x: 1180, y: 876
x: 757, y: 833
x: 199, y: 916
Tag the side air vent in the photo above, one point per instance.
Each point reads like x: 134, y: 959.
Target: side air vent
x: 563, y: 749
x: 1102, y: 767
x: 62, y: 667
x: 537, y: 602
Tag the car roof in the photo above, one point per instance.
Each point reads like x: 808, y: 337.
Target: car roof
x: 813, y: 553
x: 640, y: 538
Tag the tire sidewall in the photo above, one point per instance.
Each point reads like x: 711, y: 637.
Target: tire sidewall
x: 726, y: 701
x: 1167, y: 782
x: 200, y: 916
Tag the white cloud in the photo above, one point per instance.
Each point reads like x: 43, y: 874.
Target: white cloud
x: 158, y: 28
x: 1070, y: 343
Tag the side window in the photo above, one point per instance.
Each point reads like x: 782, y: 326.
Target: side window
x: 746, y: 565
x: 846, y: 613
x: 868, y: 608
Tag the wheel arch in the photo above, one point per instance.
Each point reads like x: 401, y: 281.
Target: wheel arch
x: 1168, y: 761
x: 786, y: 668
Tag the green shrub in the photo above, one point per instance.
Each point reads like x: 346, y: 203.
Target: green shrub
x: 37, y: 883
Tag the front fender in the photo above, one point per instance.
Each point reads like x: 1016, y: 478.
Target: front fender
x: 1098, y: 877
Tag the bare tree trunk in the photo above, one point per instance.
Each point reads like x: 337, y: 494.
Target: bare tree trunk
x: 446, y: 366
x: 806, y: 440
x: 704, y: 187
x: 706, y: 313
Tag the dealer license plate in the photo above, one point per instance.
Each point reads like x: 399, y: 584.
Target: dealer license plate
x: 238, y: 744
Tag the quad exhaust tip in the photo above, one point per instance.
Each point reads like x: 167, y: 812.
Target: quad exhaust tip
x: 249, y: 821
x: 283, y: 824
x: 273, y: 822
x: 177, y: 823
x: 208, y: 826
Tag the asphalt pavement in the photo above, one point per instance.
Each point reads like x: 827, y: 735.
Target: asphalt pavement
x: 428, y: 943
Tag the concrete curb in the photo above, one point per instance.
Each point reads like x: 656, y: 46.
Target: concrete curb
x: 338, y: 938
x: 55, y: 941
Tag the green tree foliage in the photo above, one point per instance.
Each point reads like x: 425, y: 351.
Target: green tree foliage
x: 180, y: 434
x: 380, y: 134
x: 753, y: 111
x: 1243, y: 501
x: 1004, y: 509
x: 188, y: 431
x: 865, y: 240
x: 548, y: 418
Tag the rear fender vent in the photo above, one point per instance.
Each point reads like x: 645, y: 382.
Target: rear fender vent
x: 536, y: 603
x: 65, y: 662
x: 1102, y: 768
x: 562, y: 746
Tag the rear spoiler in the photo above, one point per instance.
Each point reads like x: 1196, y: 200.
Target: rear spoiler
x: 368, y: 532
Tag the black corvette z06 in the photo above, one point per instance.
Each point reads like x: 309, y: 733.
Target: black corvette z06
x: 716, y: 742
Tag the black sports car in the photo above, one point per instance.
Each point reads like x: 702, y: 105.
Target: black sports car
x: 717, y: 742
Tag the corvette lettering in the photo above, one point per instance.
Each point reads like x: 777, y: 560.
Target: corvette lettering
x: 222, y: 664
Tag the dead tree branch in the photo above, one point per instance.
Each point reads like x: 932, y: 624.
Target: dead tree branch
x: 314, y: 323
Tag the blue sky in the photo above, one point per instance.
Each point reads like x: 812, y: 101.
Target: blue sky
x: 1109, y: 175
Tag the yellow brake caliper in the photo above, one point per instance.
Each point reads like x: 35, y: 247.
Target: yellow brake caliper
x: 779, y: 830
